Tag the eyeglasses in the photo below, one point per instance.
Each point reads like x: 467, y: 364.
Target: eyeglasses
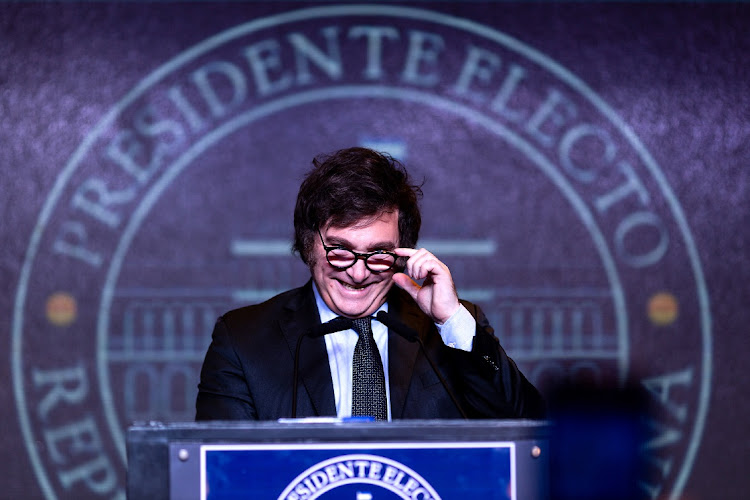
x: 342, y: 258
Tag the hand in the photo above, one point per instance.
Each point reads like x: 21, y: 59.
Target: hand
x: 437, y: 296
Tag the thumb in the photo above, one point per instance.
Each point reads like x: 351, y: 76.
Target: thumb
x: 407, y: 284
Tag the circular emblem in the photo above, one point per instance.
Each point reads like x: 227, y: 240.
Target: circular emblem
x: 178, y: 206
x: 367, y: 476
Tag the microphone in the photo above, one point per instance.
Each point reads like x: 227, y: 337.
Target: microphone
x: 335, y: 325
x: 317, y: 331
x: 395, y: 325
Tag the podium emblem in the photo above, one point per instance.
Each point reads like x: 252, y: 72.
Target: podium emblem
x: 363, y: 474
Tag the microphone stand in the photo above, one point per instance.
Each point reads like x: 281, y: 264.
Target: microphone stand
x: 409, y: 334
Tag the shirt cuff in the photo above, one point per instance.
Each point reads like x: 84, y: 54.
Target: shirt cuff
x: 458, y: 332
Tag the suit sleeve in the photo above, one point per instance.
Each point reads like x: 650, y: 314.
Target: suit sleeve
x: 490, y: 383
x: 223, y: 393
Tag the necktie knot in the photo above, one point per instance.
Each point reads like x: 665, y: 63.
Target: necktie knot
x: 363, y: 326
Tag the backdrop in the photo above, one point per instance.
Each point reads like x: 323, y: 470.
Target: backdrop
x: 585, y: 177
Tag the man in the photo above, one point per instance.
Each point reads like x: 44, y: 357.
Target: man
x: 356, y: 222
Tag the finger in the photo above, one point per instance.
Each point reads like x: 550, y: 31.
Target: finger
x: 407, y: 284
x: 422, y: 264
x: 412, y: 254
x: 405, y: 252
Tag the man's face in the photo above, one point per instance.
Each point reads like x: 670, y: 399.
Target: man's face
x: 356, y: 291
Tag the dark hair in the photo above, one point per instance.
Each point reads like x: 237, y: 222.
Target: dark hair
x: 351, y: 184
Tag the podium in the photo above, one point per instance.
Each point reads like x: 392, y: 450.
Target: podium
x: 306, y: 459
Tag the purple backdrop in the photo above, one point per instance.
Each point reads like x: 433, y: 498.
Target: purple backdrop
x: 585, y: 180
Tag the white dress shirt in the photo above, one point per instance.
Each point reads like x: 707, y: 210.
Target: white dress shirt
x: 458, y: 332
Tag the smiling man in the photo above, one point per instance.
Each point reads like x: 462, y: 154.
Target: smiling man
x: 356, y: 224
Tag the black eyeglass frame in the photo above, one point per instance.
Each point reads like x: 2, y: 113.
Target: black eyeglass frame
x: 357, y: 256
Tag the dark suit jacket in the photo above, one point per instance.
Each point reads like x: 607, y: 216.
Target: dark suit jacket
x: 248, y: 370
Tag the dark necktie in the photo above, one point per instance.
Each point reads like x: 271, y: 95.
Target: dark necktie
x: 368, y: 379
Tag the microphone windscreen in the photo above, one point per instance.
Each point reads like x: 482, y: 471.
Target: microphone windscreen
x: 335, y: 325
x: 397, y: 326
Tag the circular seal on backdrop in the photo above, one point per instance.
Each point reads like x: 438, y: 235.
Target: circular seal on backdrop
x: 178, y: 206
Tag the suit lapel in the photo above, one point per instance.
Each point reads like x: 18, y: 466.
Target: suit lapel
x: 299, y: 315
x: 402, y: 354
x: 314, y: 370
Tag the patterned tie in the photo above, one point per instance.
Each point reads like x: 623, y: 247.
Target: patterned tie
x: 368, y: 380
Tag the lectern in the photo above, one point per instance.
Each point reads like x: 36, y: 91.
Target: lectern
x: 326, y: 459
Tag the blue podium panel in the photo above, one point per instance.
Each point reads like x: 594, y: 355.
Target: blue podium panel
x: 359, y: 471
x: 301, y: 460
